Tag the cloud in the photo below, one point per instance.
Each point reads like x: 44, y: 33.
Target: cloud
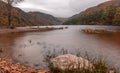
x: 58, y: 8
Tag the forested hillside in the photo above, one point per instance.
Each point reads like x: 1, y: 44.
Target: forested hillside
x: 21, y: 18
x: 107, y: 13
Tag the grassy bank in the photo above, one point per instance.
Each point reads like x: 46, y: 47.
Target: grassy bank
x: 95, y: 31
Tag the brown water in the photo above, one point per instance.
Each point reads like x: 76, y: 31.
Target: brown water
x: 29, y: 48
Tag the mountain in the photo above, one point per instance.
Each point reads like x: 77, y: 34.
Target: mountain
x: 90, y: 15
x: 21, y: 18
x: 62, y: 19
x: 101, y: 6
x: 44, y: 19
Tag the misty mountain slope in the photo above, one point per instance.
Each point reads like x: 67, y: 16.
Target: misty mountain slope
x: 21, y: 18
x: 98, y: 15
x: 44, y: 19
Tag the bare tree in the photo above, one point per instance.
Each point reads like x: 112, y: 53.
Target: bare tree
x: 10, y: 3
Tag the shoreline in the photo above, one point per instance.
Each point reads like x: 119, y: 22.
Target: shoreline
x: 8, y: 66
x: 29, y: 29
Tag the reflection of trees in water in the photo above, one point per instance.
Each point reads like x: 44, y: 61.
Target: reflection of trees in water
x: 6, y: 44
x: 113, y: 38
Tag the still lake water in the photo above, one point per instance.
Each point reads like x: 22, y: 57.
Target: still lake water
x: 29, y: 48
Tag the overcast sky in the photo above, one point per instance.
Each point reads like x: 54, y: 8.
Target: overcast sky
x: 58, y: 8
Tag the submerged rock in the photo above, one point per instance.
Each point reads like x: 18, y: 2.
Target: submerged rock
x: 71, y: 61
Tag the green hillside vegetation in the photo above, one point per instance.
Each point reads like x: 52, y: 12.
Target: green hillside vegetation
x: 109, y: 16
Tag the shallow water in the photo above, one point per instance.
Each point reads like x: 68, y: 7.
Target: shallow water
x: 29, y: 48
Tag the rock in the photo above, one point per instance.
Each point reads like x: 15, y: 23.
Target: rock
x: 66, y: 27
x: 71, y: 61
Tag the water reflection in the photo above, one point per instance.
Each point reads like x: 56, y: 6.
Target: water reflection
x: 29, y: 48
x: 6, y: 44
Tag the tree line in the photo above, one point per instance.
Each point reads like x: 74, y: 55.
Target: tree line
x: 108, y: 16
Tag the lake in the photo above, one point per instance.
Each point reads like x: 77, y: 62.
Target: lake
x: 29, y: 48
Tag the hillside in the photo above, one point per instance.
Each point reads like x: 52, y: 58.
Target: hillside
x: 62, y: 19
x: 44, y: 19
x: 97, y: 15
x: 21, y: 18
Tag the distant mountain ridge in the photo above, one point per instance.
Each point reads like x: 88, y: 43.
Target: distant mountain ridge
x: 21, y: 18
x: 44, y: 18
x: 98, y: 8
